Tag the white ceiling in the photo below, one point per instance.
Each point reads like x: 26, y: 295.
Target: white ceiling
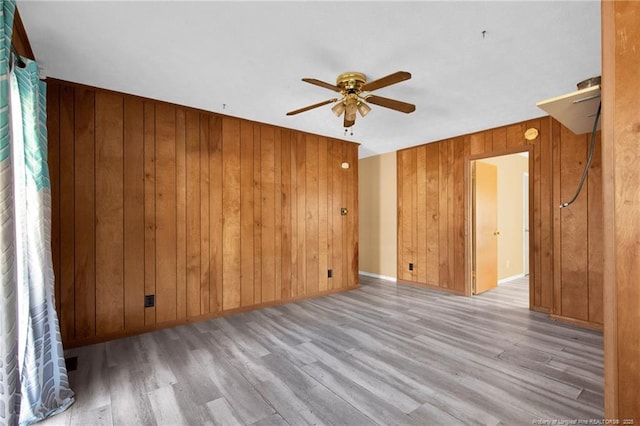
x: 246, y: 59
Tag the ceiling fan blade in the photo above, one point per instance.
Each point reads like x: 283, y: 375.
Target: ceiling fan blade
x: 388, y: 80
x: 391, y: 103
x: 348, y: 123
x: 322, y: 84
x: 307, y: 108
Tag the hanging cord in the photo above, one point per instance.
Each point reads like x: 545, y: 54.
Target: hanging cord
x: 592, y: 147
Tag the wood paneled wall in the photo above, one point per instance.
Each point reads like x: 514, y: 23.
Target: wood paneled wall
x: 621, y: 182
x: 566, y: 261
x: 211, y: 214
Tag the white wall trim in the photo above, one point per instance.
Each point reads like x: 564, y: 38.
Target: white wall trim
x: 511, y: 278
x: 382, y: 277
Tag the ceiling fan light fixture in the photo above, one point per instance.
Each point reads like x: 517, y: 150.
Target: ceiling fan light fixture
x: 354, y: 89
x: 338, y: 109
x: 363, y: 109
x: 350, y: 110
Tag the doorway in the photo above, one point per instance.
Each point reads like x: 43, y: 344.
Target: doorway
x: 499, y: 220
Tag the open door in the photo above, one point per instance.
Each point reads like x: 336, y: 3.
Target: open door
x: 485, y: 223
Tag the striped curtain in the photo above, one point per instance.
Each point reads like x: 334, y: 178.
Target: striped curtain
x: 37, y: 386
x: 9, y: 381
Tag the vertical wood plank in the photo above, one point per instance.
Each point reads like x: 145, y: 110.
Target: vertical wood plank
x: 277, y: 199
x: 461, y: 150
x: 573, y: 233
x: 66, y: 276
x: 166, y: 212
x: 477, y: 143
x: 247, y: 215
x: 267, y: 178
x: 400, y: 215
x: 285, y: 171
x: 300, y: 213
x: 545, y: 204
x: 295, y: 258
x: 53, y: 160
x: 557, y: 223
x: 231, y: 213
x: 413, y: 229
x: 432, y: 214
x: 344, y: 240
x: 149, y: 208
x: 215, y: 211
x: 451, y: 260
x: 133, y: 156
x: 421, y: 213
x: 408, y: 183
x: 109, y: 204
x: 85, y: 213
x: 515, y: 135
x: 443, y: 207
x: 535, y: 234
x: 323, y: 257
x: 337, y: 229
x: 181, y: 214
x: 595, y: 236
x: 205, y: 213
x: 352, y: 248
x: 311, y: 215
x: 621, y: 180
x: 257, y: 213
x: 193, y: 218
x: 499, y: 137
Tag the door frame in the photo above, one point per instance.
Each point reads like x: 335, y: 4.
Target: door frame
x: 468, y: 219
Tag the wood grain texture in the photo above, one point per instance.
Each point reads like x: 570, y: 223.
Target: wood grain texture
x: 149, y: 209
x: 595, y: 236
x: 109, y: 205
x: 621, y: 180
x: 215, y: 210
x: 268, y: 199
x: 181, y: 213
x: 565, y: 274
x: 369, y: 356
x: 247, y: 214
x: 133, y: 198
x: 209, y: 214
x: 192, y: 217
x: 573, y: 229
x: 166, y: 225
x: 65, y: 276
x: 205, y: 214
x: 231, y: 247
x: 84, y: 245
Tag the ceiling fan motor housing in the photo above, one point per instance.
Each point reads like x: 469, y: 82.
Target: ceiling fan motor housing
x: 351, y: 82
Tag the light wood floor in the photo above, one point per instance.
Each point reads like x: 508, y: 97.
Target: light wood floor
x: 382, y: 354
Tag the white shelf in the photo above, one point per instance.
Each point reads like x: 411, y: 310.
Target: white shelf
x: 576, y: 110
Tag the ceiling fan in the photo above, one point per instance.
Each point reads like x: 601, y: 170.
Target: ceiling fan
x: 354, y: 90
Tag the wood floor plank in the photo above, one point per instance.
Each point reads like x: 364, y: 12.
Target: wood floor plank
x: 385, y: 353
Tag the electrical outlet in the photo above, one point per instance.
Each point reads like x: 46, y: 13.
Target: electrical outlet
x: 411, y: 266
x: 149, y: 300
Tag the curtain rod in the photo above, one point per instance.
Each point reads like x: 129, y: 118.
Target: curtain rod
x: 19, y: 60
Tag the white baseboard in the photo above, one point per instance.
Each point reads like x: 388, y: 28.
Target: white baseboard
x: 511, y: 278
x: 382, y: 277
